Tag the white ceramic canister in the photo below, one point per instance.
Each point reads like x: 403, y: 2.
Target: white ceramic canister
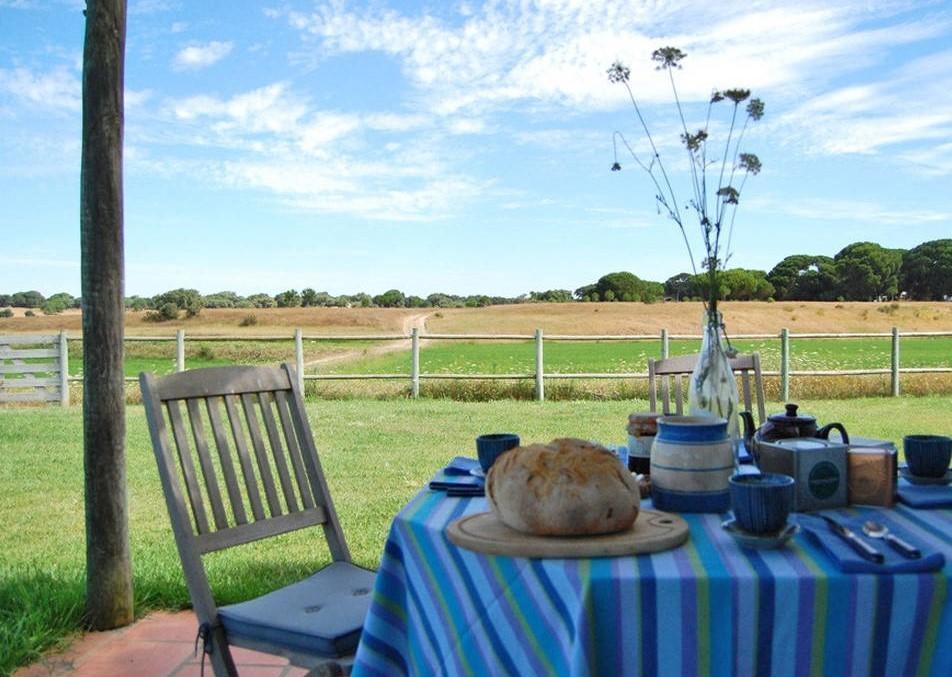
x: 692, y: 459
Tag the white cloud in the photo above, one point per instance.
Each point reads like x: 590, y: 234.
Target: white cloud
x: 557, y: 52
x: 908, y: 105
x: 56, y: 90
x: 153, y: 6
x: 854, y: 211
x: 198, y: 56
x: 178, y: 27
x: 271, y: 109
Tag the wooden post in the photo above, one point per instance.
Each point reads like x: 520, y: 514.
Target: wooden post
x: 415, y: 362
x: 895, y: 362
x: 64, y: 370
x: 299, y: 357
x: 108, y: 563
x: 540, y: 385
x: 664, y: 344
x: 180, y: 350
x: 784, y: 364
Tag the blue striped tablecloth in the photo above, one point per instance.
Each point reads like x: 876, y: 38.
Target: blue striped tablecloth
x: 706, y: 608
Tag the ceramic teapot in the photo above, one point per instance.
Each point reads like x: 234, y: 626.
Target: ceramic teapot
x: 785, y: 426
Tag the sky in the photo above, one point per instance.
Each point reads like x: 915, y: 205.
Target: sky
x: 465, y: 147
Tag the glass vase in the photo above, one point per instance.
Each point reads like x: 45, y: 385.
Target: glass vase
x: 713, y: 390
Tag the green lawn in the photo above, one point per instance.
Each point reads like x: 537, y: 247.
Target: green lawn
x: 377, y: 454
x: 480, y: 357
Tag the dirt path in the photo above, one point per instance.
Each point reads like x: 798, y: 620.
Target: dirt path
x: 417, y: 321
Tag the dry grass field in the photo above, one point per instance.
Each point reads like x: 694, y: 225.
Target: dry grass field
x: 685, y: 318
x: 553, y: 318
x: 227, y: 322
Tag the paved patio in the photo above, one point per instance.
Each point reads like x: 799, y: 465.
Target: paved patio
x: 162, y: 643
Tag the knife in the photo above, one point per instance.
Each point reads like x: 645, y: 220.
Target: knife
x: 461, y: 493
x: 862, y: 548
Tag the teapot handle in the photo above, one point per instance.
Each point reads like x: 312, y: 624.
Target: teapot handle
x: 824, y: 432
x: 749, y: 429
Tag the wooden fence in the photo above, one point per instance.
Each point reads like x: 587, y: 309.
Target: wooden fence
x: 24, y: 378
x: 34, y: 368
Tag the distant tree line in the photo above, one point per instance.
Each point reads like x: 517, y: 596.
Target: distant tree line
x: 862, y: 271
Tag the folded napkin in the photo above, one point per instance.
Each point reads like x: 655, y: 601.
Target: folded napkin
x: 924, y: 495
x: 849, y: 561
x: 456, y: 477
x: 461, y: 465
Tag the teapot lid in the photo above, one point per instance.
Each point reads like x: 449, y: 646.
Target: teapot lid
x: 791, y: 416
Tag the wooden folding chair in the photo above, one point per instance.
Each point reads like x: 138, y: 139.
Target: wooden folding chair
x: 662, y: 372
x: 238, y: 463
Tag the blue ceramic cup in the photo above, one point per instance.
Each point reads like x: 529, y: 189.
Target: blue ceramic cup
x: 927, y: 455
x: 761, y: 503
x: 489, y: 447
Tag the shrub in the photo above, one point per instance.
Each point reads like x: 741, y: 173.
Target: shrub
x: 6, y: 312
x: 205, y: 352
x: 165, y: 312
x: 249, y: 320
x: 30, y: 313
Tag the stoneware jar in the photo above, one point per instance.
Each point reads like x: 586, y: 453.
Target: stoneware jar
x: 692, y: 460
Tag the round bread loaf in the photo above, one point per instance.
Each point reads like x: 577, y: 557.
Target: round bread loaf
x: 565, y: 488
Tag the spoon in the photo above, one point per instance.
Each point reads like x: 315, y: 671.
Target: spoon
x: 877, y: 530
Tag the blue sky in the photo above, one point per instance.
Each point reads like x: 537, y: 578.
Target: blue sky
x: 464, y: 147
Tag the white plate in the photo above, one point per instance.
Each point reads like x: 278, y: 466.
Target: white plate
x: 760, y: 541
x: 915, y: 479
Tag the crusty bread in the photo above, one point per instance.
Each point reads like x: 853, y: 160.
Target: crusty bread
x: 565, y: 488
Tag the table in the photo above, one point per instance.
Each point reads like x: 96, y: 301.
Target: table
x: 706, y: 608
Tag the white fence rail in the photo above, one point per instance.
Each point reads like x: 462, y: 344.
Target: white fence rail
x: 539, y: 375
x: 34, y: 368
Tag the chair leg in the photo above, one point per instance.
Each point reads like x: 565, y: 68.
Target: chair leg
x: 220, y: 655
x: 328, y: 669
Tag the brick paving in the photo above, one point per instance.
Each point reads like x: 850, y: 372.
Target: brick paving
x: 160, y: 644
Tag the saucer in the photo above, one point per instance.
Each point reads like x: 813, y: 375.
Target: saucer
x: 915, y: 479
x: 760, y: 541
x: 477, y: 472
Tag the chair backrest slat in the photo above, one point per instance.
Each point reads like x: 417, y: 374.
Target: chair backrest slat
x: 205, y: 462
x: 261, y: 455
x: 247, y: 533
x: 244, y: 457
x: 214, y: 405
x: 188, y: 467
x: 745, y: 389
x: 294, y: 449
x: 678, y: 390
x: 277, y: 450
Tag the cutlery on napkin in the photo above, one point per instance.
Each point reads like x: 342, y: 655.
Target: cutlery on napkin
x: 848, y: 558
x: 862, y: 548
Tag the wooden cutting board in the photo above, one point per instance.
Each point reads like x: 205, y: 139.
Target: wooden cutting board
x: 652, y: 531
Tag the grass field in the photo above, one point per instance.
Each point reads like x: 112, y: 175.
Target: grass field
x: 376, y: 455
x: 458, y: 357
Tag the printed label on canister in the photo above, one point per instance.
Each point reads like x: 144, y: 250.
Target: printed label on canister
x: 824, y: 480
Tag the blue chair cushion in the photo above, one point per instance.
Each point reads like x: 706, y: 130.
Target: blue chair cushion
x: 322, y: 614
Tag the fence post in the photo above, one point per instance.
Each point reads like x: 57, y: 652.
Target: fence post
x: 415, y: 362
x: 895, y: 361
x: 784, y: 364
x: 180, y: 350
x: 299, y: 358
x: 64, y: 370
x: 664, y: 344
x: 540, y: 387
